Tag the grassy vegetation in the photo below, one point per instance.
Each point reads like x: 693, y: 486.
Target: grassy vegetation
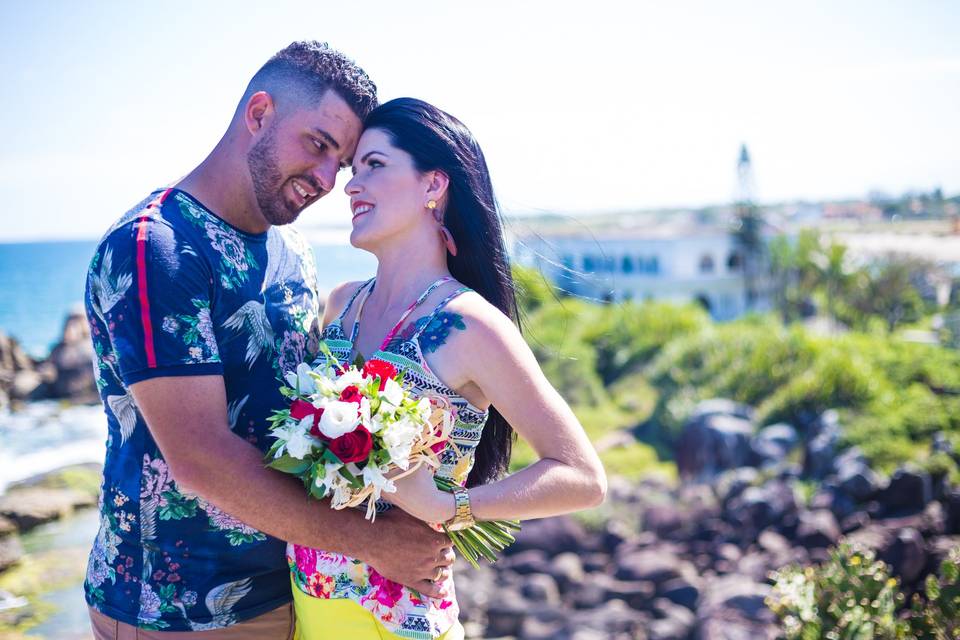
x: 625, y: 365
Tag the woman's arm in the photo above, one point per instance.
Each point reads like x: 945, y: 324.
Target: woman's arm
x: 492, y: 356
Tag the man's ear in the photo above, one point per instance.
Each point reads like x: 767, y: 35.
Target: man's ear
x: 437, y: 186
x: 258, y: 111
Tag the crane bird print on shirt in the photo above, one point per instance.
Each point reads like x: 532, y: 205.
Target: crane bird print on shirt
x: 220, y: 602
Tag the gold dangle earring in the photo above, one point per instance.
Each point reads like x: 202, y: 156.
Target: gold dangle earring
x: 445, y: 236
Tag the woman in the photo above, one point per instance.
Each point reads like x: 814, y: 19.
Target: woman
x: 442, y: 309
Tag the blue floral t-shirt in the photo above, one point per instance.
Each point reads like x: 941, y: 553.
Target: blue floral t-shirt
x: 174, y: 290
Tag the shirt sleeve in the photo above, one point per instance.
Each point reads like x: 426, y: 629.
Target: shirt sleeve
x: 154, y: 293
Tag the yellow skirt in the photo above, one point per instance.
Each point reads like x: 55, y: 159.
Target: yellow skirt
x: 339, y: 618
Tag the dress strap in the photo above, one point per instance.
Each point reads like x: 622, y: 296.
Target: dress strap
x: 437, y: 309
x: 406, y: 314
x: 354, y: 297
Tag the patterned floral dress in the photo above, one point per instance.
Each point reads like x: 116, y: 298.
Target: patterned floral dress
x: 322, y: 574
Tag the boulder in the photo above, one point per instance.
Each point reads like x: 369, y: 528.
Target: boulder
x: 28, y: 508
x: 855, y: 478
x: 567, y: 571
x: 732, y: 608
x: 10, y: 548
x: 649, y: 565
x: 822, y: 444
x: 541, y: 590
x: 712, y: 443
x: 71, y: 360
x: 908, y: 490
x: 552, y: 536
x: 760, y: 507
x: 772, y: 444
x: 906, y: 555
x: 817, y: 529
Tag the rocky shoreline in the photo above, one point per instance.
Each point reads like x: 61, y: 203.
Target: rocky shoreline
x: 693, y: 561
x: 65, y: 374
x: 656, y: 561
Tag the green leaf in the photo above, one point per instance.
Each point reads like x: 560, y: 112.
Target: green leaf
x: 289, y: 464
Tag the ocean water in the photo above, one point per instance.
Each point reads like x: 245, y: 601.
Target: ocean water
x: 40, y: 282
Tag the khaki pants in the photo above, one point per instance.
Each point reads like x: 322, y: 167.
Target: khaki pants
x: 273, y: 625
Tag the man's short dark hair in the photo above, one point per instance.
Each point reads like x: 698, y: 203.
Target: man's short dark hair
x: 305, y: 70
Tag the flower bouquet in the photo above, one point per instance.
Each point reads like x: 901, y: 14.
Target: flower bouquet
x: 348, y: 431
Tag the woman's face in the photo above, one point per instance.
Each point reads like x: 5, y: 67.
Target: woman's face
x: 388, y: 196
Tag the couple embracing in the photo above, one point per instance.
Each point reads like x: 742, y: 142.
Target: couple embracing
x: 201, y: 299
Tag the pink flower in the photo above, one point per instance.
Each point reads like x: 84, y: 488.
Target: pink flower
x: 387, y: 592
x: 306, y: 557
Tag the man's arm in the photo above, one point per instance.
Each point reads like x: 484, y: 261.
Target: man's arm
x: 187, y: 417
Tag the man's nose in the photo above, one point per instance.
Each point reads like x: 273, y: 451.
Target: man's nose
x: 326, y: 175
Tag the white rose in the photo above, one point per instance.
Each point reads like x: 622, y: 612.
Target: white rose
x: 339, y: 418
x: 351, y: 377
x: 398, y: 438
x: 392, y: 392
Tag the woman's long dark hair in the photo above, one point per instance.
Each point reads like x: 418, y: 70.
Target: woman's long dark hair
x: 439, y: 142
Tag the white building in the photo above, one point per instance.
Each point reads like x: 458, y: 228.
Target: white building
x: 681, y: 264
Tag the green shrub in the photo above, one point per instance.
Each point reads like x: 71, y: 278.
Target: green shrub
x: 937, y: 615
x: 852, y: 595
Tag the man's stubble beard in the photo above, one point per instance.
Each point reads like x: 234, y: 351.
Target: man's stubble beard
x: 268, y: 181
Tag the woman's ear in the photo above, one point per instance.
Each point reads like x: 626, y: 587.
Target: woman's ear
x: 437, y: 185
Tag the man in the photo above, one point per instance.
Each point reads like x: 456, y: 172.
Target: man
x: 199, y: 300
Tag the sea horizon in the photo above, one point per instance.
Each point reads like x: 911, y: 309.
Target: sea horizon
x: 43, y: 282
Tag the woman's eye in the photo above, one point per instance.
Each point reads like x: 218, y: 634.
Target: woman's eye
x: 374, y: 164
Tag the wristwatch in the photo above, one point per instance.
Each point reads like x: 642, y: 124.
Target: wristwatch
x: 463, y: 517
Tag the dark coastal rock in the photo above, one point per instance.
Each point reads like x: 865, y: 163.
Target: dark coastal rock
x: 567, y: 571
x: 757, y: 508
x: 552, y: 536
x: 854, y: 476
x: 526, y: 562
x: 649, y: 565
x: 732, y: 608
x: 614, y: 618
x: 18, y: 375
x: 541, y: 589
x: 951, y: 508
x: 506, y: 614
x: 772, y: 444
x: 909, y: 490
x: 731, y: 484
x: 822, y: 444
x: 817, y: 529
x: 711, y: 443
x: 906, y: 555
x: 69, y: 362
x: 27, y: 508
x: 682, y: 591
x: 10, y: 548
x: 672, y: 621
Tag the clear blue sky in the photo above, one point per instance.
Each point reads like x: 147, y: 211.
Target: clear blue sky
x: 579, y: 106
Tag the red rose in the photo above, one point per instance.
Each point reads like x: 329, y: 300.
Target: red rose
x: 374, y: 368
x: 300, y: 409
x: 354, y: 446
x: 351, y: 394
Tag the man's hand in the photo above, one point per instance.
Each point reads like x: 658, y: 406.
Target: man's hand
x: 414, y: 555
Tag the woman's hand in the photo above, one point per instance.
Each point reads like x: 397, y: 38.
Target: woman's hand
x: 418, y: 495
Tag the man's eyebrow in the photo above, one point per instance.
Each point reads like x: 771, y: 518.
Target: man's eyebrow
x: 326, y: 136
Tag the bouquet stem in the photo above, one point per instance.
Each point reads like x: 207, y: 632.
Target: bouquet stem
x: 483, y: 539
